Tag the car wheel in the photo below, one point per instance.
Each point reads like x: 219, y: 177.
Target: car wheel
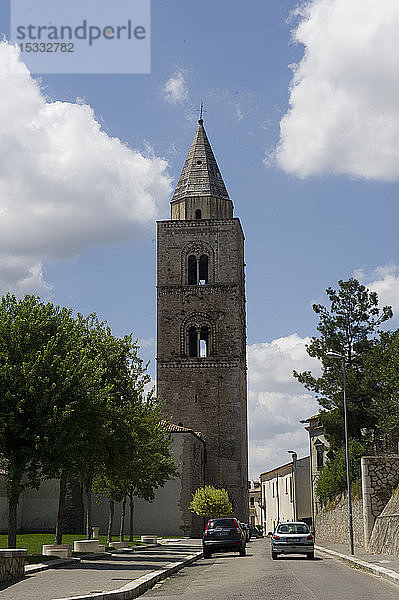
x: 310, y: 555
x: 207, y: 553
x: 274, y: 555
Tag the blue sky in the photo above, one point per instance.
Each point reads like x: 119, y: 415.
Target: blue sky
x: 318, y: 201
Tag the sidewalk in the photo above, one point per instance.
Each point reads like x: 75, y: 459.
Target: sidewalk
x: 106, y: 578
x: 385, y: 566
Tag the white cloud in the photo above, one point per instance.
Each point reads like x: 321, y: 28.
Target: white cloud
x: 176, y: 90
x: 385, y: 281
x: 277, y: 401
x: 64, y: 183
x: 343, y: 116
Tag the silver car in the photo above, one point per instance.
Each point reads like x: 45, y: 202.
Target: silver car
x: 292, y: 537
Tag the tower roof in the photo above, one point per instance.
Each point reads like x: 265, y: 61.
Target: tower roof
x: 200, y: 175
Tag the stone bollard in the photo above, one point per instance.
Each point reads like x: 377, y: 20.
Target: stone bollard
x: 86, y: 546
x: 149, y: 539
x: 12, y: 564
x: 62, y: 550
x: 96, y: 532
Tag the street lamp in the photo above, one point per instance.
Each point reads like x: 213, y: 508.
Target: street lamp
x: 348, y: 477
x: 294, y: 457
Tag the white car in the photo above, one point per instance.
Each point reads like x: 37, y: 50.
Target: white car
x: 292, y: 537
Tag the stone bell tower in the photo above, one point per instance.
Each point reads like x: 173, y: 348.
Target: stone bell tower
x: 201, y: 326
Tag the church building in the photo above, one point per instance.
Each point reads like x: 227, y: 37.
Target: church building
x: 201, y: 322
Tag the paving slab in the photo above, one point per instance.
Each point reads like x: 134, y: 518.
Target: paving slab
x: 98, y: 575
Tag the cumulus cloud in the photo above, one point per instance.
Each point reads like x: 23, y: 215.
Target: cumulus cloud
x: 343, y: 116
x: 175, y: 89
x: 64, y: 183
x: 277, y: 401
x: 385, y: 281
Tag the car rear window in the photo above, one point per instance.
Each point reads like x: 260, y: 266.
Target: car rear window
x: 292, y: 528
x: 221, y: 523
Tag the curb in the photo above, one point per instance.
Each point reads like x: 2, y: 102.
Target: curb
x: 60, y: 562
x: 388, y: 574
x: 139, y: 586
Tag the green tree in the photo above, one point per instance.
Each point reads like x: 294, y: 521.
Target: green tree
x: 211, y: 502
x: 32, y: 363
x: 347, y: 327
x: 332, y: 480
x: 382, y: 372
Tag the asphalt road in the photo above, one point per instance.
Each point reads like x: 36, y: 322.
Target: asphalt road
x: 256, y: 576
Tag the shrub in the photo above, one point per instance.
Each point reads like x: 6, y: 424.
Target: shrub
x: 211, y: 502
x: 332, y: 480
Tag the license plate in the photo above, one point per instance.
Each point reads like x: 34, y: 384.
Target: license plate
x: 295, y: 540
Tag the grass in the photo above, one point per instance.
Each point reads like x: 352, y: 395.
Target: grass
x: 33, y: 541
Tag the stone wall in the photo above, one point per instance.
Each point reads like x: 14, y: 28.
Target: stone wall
x: 331, y: 524
x: 385, y: 536
x: 380, y: 475
x: 12, y: 564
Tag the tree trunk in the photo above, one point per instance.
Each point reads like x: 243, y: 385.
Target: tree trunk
x: 110, y: 521
x: 59, y: 530
x: 12, y: 522
x: 131, y: 506
x: 13, y: 498
x: 122, y: 524
x: 88, y: 513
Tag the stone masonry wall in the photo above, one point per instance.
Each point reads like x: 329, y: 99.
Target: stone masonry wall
x: 331, y: 525
x: 12, y: 564
x: 380, y: 475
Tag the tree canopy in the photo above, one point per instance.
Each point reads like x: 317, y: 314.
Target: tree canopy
x: 348, y: 327
x: 211, y: 502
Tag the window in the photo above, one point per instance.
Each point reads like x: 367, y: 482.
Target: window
x: 319, y: 457
x: 198, y: 213
x: 319, y: 453
x: 252, y: 501
x: 192, y: 270
x: 197, y: 270
x: 286, y: 485
x: 198, y: 336
x: 192, y: 342
x: 203, y: 269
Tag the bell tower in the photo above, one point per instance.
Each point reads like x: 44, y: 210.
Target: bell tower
x: 201, y: 324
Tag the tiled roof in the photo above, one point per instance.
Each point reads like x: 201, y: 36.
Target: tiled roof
x: 179, y: 428
x: 200, y: 175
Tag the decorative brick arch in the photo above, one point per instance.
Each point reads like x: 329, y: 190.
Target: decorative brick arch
x: 198, y: 249
x: 197, y: 320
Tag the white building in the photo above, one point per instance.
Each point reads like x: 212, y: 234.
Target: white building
x: 255, y: 502
x: 286, y: 494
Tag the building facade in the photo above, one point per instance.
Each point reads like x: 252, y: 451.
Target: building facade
x: 286, y: 494
x: 167, y: 514
x: 319, y: 452
x: 201, y: 323
x: 255, y: 502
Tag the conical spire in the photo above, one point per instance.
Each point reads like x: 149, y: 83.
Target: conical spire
x: 200, y: 179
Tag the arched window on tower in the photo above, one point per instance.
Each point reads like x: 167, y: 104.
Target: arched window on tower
x: 203, y: 269
x: 198, y: 213
x: 192, y: 270
x: 198, y: 340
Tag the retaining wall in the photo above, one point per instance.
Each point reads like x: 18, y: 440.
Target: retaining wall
x: 332, y: 523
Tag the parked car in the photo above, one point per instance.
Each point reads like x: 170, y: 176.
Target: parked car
x: 223, y: 535
x: 292, y: 537
x: 255, y: 532
x: 245, y: 528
